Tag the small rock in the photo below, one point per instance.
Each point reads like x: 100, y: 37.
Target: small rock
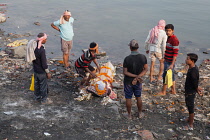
x: 2, y: 19
x: 146, y: 135
x: 37, y: 23
x: 205, y: 52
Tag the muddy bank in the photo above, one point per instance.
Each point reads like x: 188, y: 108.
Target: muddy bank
x: 23, y: 118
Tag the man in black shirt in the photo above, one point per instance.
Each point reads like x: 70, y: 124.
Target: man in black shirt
x: 41, y: 72
x: 191, y: 87
x: 134, y: 67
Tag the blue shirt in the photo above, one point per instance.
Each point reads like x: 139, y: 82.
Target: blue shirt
x: 66, y: 30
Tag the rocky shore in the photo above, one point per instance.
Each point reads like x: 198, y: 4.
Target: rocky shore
x: 23, y: 118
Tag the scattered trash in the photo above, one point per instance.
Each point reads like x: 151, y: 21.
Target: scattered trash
x: 207, y: 137
x: 18, y: 43
x: 9, y: 112
x: 180, y: 74
x: 47, y: 134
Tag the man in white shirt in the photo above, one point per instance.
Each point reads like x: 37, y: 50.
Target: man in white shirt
x: 156, y: 45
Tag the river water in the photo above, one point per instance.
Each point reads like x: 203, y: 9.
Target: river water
x: 113, y: 23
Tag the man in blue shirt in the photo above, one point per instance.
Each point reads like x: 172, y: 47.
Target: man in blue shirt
x: 65, y: 27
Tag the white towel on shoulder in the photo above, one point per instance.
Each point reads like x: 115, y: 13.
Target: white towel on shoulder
x: 31, y: 46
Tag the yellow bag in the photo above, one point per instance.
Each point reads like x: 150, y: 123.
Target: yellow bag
x: 32, y: 83
x: 168, y: 78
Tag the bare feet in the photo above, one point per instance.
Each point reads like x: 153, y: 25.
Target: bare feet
x: 141, y: 115
x: 152, y: 79
x: 67, y: 65
x: 186, y: 128
x: 80, y: 87
x: 173, y: 91
x: 160, y: 78
x: 160, y: 93
x: 127, y: 116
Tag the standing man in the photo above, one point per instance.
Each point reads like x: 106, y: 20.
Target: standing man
x: 171, y: 53
x: 156, y: 45
x: 134, y: 67
x: 41, y: 71
x: 65, y: 27
x: 191, y: 88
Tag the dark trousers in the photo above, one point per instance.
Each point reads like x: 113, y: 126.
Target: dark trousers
x: 41, y: 87
x: 190, y: 102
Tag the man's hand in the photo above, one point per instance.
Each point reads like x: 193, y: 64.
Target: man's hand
x: 98, y: 69
x: 147, y: 51
x: 93, y: 75
x: 49, y: 76
x: 139, y: 79
x: 134, y: 82
x: 199, y: 91
x: 55, y: 27
x: 171, y: 66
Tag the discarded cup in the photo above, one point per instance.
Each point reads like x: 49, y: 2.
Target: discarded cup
x: 180, y: 74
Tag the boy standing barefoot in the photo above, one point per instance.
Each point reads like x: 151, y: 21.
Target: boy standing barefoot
x: 171, y: 53
x: 191, y: 87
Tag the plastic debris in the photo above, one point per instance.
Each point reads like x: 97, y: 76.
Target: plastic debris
x: 18, y: 43
x: 47, y: 134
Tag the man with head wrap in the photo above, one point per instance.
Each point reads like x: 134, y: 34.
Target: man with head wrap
x: 82, y: 64
x: 65, y: 26
x: 41, y: 71
x: 156, y: 45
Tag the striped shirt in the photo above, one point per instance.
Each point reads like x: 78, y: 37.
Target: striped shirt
x: 85, y: 60
x: 172, y: 48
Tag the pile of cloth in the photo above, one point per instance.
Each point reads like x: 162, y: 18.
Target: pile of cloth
x: 101, y: 85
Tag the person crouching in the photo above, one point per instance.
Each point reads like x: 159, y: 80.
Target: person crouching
x: 82, y: 64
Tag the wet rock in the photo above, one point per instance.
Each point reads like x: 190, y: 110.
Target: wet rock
x: 19, y: 51
x: 189, y: 42
x: 37, y: 23
x: 2, y: 18
x: 27, y: 34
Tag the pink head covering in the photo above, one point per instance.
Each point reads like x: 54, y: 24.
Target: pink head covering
x: 155, y: 31
x: 66, y: 13
x: 40, y: 40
